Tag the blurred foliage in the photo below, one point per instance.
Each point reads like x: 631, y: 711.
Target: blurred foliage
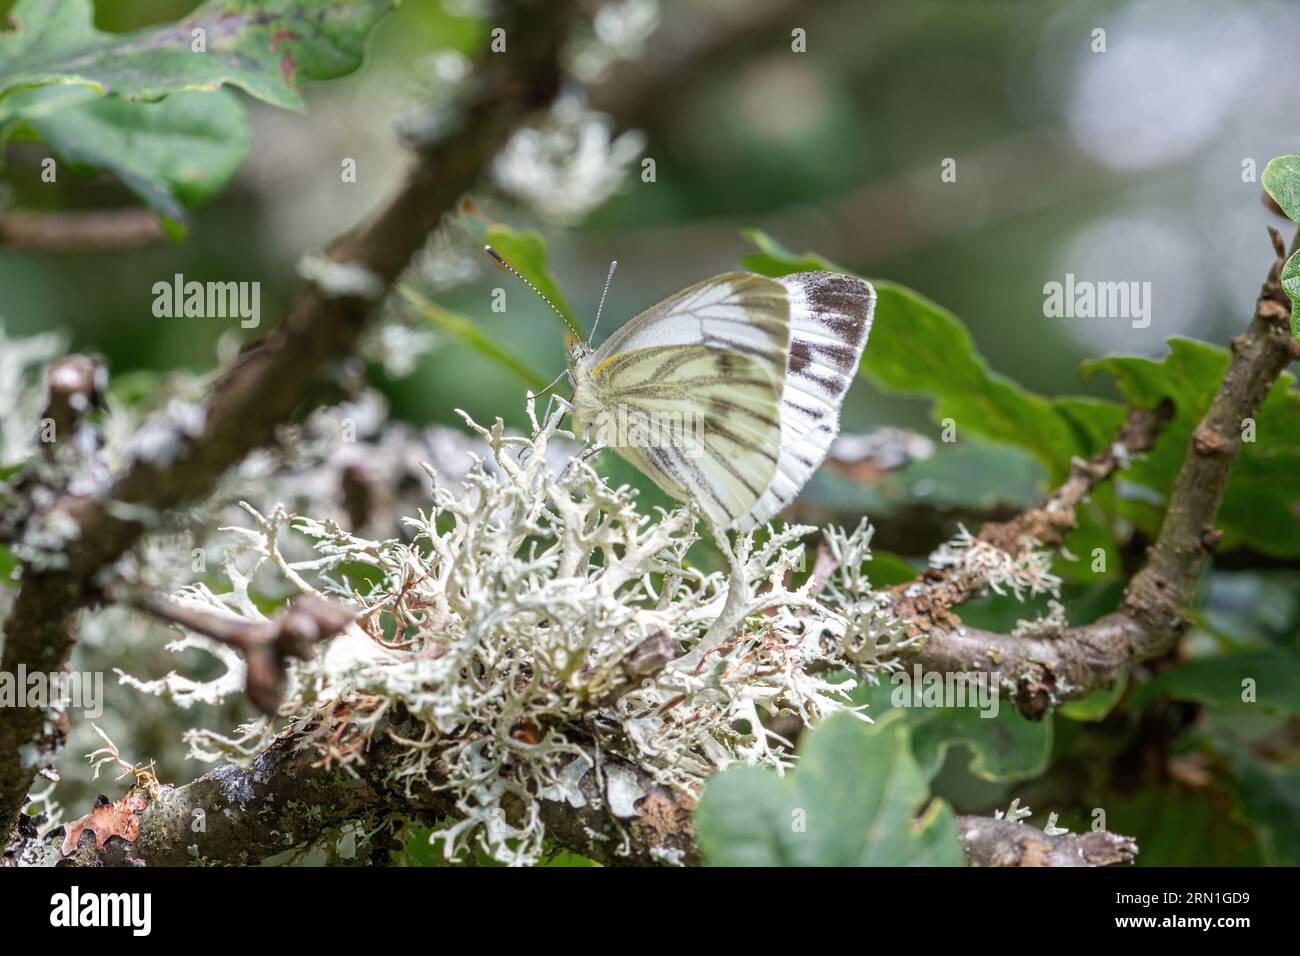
x: 1259, y: 505
x: 464, y: 330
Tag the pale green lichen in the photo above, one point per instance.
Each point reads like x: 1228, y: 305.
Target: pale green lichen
x: 1027, y: 573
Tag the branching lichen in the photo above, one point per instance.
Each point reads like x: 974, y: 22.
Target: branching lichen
x: 988, y: 567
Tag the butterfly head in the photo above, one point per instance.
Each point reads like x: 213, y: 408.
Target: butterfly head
x: 579, y: 367
x: 577, y: 351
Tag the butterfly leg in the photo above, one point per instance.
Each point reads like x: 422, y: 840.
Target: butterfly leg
x: 552, y: 402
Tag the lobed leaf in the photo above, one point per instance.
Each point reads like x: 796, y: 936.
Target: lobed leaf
x: 265, y: 47
x: 851, y: 801
x: 130, y: 102
x: 1259, y: 507
x: 1005, y: 746
x: 174, y: 154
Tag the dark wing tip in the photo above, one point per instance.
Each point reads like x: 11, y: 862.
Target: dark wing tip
x: 843, y: 302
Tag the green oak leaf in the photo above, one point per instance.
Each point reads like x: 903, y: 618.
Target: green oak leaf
x: 131, y: 103
x: 1005, y: 745
x: 1259, y: 507
x: 1217, y: 682
x: 1281, y: 179
x: 174, y: 154
x: 265, y: 47
x: 852, y: 800
x: 970, y: 474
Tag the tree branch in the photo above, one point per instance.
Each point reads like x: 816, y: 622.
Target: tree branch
x: 1151, y: 618
x: 927, y: 602
x: 266, y: 387
x: 236, y: 816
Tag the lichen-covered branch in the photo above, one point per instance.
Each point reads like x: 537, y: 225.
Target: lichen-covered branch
x: 989, y: 841
x: 526, y: 695
x: 266, y: 646
x: 289, y: 799
x: 188, y: 451
x: 1049, y: 522
x: 1015, y: 549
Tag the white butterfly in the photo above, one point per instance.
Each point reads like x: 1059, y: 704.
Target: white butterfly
x: 728, y: 393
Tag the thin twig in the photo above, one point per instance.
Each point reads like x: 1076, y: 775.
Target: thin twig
x: 79, y: 231
x: 266, y: 646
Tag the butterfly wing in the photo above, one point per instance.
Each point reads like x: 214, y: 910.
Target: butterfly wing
x: 829, y: 320
x: 711, y: 358
x: 701, y: 421
x: 738, y: 311
x: 753, y: 369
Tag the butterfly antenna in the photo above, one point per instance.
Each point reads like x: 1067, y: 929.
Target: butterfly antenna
x: 600, y: 308
x: 520, y: 276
